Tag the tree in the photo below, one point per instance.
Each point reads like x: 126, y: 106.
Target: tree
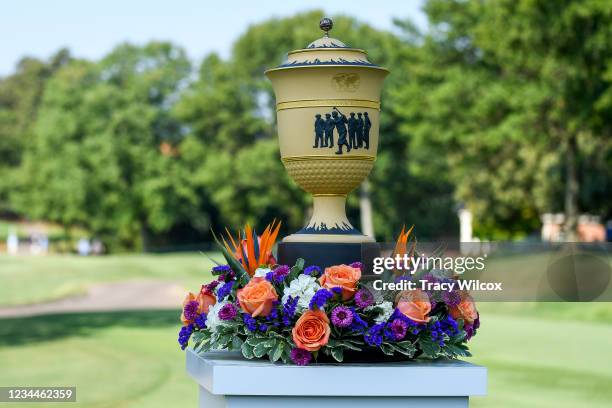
x: 511, y: 93
x: 97, y: 159
x: 20, y: 96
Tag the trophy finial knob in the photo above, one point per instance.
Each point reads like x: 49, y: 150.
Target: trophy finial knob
x: 326, y: 24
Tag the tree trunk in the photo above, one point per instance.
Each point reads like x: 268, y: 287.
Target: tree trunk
x: 365, y: 205
x: 571, y: 190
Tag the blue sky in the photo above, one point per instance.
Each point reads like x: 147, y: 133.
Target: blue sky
x: 90, y: 29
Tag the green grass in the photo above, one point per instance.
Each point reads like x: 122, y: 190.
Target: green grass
x: 30, y: 279
x: 541, y: 362
x: 127, y: 359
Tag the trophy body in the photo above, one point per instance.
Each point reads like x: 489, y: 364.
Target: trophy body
x: 328, y: 106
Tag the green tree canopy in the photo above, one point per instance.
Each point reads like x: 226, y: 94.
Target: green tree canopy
x: 513, y: 95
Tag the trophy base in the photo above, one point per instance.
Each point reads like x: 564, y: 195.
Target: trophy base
x: 324, y: 254
x: 329, y: 223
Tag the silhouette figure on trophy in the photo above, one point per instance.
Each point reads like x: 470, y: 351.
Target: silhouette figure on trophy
x: 319, y: 128
x: 366, y: 130
x: 340, y: 122
x: 359, y: 130
x: 352, y: 130
x: 329, y: 131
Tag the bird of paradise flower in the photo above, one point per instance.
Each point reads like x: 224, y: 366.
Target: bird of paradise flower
x: 248, y: 251
x: 402, y: 245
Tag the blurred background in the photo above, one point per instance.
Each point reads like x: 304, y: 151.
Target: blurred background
x: 130, y: 131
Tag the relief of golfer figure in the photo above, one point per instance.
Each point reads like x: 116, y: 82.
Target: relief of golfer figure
x: 353, y: 132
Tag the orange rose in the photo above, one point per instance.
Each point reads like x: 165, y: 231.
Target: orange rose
x: 257, y: 297
x: 203, y: 302
x: 206, y: 300
x: 415, y: 305
x: 311, y: 331
x: 341, y: 276
x: 466, y: 310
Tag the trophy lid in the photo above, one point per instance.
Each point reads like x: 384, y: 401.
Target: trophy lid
x: 326, y: 51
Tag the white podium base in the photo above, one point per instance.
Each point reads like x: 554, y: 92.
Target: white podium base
x: 226, y: 380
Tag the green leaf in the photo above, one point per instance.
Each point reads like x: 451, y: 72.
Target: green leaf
x: 286, y: 356
x: 405, y: 347
x: 457, y: 351
x: 349, y: 345
x: 277, y: 351
x: 430, y: 348
x: 247, y: 350
x: 236, y: 342
x: 338, y: 354
x: 387, y: 349
x: 253, y: 341
x: 241, y: 274
x: 260, y: 349
x: 223, y: 341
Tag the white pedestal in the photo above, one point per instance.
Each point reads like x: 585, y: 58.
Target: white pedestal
x: 227, y: 380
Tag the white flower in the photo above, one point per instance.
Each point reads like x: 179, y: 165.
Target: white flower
x: 304, y: 286
x: 212, y: 317
x: 385, y: 311
x: 261, y: 272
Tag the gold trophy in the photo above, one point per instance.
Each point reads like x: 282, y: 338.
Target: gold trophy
x: 327, y: 107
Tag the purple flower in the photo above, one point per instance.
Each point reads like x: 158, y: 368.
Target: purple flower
x: 289, y: 308
x: 374, y: 335
x: 249, y: 322
x: 300, y: 356
x: 281, y: 272
x: 320, y: 298
x: 413, y: 327
x: 184, y: 335
x: 226, y: 277
x: 342, y: 316
x: 443, y: 329
x: 451, y: 298
x: 219, y: 269
x: 312, y: 270
x: 228, y: 312
x: 278, y: 274
x: 359, y: 325
x: 364, y: 298
x: 399, y: 328
x: 225, y: 290
x: 190, y: 311
x: 357, y: 265
x: 211, y: 286
x: 200, y: 321
x: 470, y: 328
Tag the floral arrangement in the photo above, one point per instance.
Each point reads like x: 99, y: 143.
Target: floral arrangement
x: 300, y: 314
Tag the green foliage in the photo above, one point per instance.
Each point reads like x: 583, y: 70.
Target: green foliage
x: 20, y: 97
x: 97, y: 159
x: 506, y: 94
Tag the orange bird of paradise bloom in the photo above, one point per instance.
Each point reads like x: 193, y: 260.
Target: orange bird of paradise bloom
x: 251, y: 250
x: 401, y: 245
